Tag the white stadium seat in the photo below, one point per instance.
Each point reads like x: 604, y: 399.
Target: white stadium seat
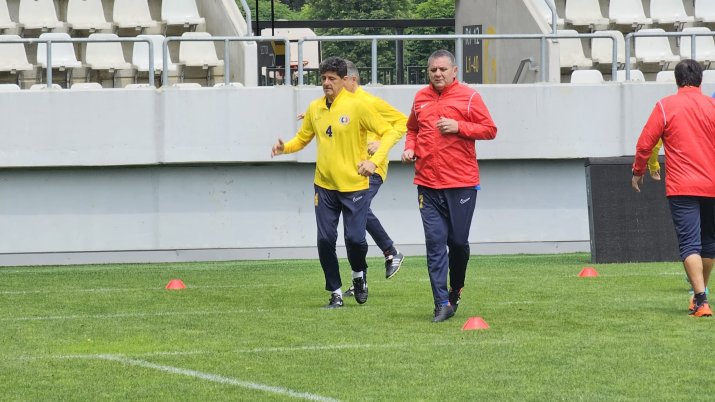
x: 584, y: 13
x: 199, y: 53
x: 602, y: 49
x: 180, y: 13
x: 9, y: 87
x: 105, y: 56
x: 140, y: 55
x: 39, y: 14
x: 35, y: 87
x: 705, y: 10
x: 665, y: 76
x: 86, y: 85
x: 709, y: 77
x: 628, y: 12
x: 133, y: 14
x: 636, y: 75
x: 571, y: 52
x: 544, y: 13
x: 669, y: 12
x: 586, y: 77
x: 654, y: 49
x: 87, y: 15
x: 6, y: 23
x: 63, y: 54
x: 13, y: 57
x: 704, y: 45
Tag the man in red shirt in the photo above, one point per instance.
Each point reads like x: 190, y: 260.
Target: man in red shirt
x: 446, y: 119
x: 686, y: 123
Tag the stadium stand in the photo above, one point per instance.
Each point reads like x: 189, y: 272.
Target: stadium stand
x: 586, y: 77
x: 705, y: 11
x: 133, y: 14
x: 140, y: 58
x: 571, y: 52
x: 6, y: 23
x: 39, y: 15
x: 36, y: 87
x: 181, y: 13
x: 199, y: 55
x: 585, y: 13
x: 63, y: 56
x: 602, y: 50
x: 86, y: 85
x: 628, y: 12
x: 665, y: 76
x: 545, y: 13
x: 9, y: 87
x: 669, y: 12
x: 708, y: 76
x: 87, y: 15
x: 704, y: 46
x: 13, y: 59
x: 636, y: 75
x: 655, y: 50
x: 105, y: 56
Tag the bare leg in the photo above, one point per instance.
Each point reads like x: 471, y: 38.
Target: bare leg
x: 707, y: 268
x: 694, y: 268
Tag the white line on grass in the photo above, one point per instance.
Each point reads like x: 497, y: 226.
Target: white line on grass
x: 213, y: 378
x: 129, y: 315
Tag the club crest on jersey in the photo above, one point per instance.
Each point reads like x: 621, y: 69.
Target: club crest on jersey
x: 344, y: 120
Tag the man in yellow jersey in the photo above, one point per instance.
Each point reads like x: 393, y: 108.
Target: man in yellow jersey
x: 340, y: 121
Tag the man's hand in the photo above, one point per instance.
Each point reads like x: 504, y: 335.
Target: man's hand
x: 655, y: 175
x: 372, y: 147
x: 366, y: 168
x: 447, y: 126
x: 636, y: 182
x: 408, y: 156
x: 278, y: 148
x: 300, y: 116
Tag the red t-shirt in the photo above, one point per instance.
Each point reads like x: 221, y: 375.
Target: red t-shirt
x: 686, y: 122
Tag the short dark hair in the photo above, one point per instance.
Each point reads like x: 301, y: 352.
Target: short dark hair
x: 442, y: 53
x: 335, y: 65
x: 688, y: 73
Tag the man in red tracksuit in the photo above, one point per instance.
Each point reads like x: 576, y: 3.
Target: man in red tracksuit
x: 686, y: 123
x: 446, y: 119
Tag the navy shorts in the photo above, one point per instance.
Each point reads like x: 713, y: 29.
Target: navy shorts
x: 694, y: 221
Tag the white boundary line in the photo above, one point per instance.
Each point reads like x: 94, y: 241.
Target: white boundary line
x: 129, y: 315
x: 212, y: 377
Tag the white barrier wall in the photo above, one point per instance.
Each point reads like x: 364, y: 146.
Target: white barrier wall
x: 175, y: 174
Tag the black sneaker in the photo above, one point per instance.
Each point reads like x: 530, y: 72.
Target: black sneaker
x: 443, y: 312
x: 350, y: 291
x: 455, y: 296
x: 336, y: 301
x: 393, y: 264
x: 360, y: 290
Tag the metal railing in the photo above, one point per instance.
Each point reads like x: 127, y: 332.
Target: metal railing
x: 458, y: 46
x: 639, y: 34
x: 226, y: 40
x: 50, y: 41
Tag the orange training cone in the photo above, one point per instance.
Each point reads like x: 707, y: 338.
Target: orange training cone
x: 175, y: 284
x: 588, y: 272
x: 475, y: 323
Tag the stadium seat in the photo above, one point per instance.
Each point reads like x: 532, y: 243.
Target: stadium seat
x: 704, y: 45
x: 6, y: 23
x: 39, y: 14
x: 198, y: 54
x: 545, y: 13
x: 628, y: 12
x: 665, y: 76
x: 133, y: 14
x: 87, y: 15
x: 654, y: 49
x: 181, y: 13
x: 63, y: 55
x: 35, y: 87
x: 571, y: 52
x: 13, y: 58
x: 86, y: 85
x: 669, y: 12
x: 636, y: 75
x: 708, y: 76
x: 105, y: 56
x: 705, y: 11
x: 140, y: 57
x: 586, y: 77
x: 602, y: 49
x: 585, y: 13
x: 9, y: 87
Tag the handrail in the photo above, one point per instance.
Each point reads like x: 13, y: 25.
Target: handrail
x: 249, y: 22
x: 554, y: 16
x: 458, y: 46
x: 522, y: 63
x: 640, y: 34
x: 226, y: 40
x: 50, y: 41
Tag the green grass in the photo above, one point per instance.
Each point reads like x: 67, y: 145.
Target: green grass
x: 622, y: 336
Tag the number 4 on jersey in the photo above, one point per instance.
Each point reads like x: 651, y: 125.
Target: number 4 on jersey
x: 329, y: 131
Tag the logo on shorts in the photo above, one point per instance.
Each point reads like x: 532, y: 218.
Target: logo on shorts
x: 344, y: 120
x: 356, y: 199
x: 463, y: 201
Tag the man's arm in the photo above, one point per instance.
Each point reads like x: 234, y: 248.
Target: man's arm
x: 479, y: 125
x: 408, y: 155
x: 652, y: 132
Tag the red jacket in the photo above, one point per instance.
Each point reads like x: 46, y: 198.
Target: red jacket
x: 447, y: 160
x: 686, y: 122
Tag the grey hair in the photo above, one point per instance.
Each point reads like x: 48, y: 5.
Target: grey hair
x: 442, y: 53
x: 352, y: 69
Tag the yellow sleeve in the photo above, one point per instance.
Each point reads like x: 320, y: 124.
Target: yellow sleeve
x: 394, y: 117
x: 304, y: 135
x: 386, y: 134
x: 653, y: 165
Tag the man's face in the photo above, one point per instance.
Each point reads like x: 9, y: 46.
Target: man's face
x: 351, y: 83
x: 441, y: 73
x: 332, y: 84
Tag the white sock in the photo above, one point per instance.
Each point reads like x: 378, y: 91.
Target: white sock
x: 357, y: 274
x: 339, y: 292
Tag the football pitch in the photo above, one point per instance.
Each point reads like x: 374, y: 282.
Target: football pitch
x: 255, y: 330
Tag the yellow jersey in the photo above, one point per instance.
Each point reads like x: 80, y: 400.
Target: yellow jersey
x: 394, y: 117
x: 341, y: 133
